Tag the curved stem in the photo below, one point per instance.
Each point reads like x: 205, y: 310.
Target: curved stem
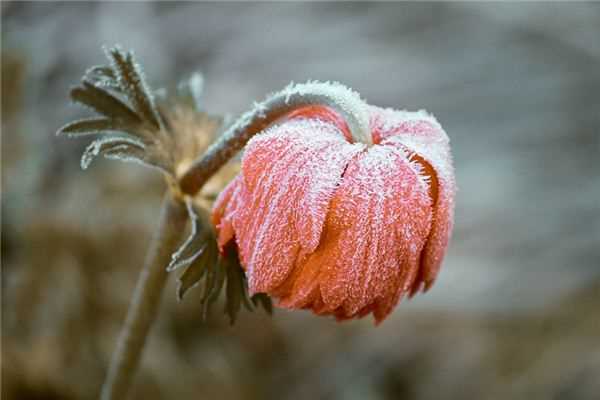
x: 146, y: 299
x: 345, y: 101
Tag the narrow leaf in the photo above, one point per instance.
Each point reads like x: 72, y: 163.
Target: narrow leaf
x: 233, y: 302
x: 103, y: 102
x: 131, y: 80
x: 190, y: 278
x: 92, y: 126
x: 102, y: 71
x: 105, y: 144
x: 127, y: 153
x: 261, y: 299
x: 209, y: 283
x: 194, y: 244
x: 220, y: 274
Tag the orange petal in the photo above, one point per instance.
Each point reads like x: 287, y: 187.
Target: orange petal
x: 289, y: 175
x: 378, y: 222
x: 224, y: 210
x: 422, y: 136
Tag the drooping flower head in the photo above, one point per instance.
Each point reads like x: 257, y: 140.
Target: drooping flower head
x: 343, y: 227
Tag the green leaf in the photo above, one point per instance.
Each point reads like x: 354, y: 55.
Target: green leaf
x: 131, y: 79
x: 195, y: 243
x: 263, y: 300
x: 209, y: 284
x: 234, y: 295
x: 220, y: 274
x: 237, y: 291
x: 104, y: 103
x: 190, y: 278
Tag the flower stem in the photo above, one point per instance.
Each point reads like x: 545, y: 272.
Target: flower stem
x: 336, y: 96
x: 146, y: 299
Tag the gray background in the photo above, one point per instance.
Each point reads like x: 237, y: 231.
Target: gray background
x: 517, y: 88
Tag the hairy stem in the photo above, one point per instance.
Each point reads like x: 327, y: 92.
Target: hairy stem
x: 336, y: 96
x: 146, y: 299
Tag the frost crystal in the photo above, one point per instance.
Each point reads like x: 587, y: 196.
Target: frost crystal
x: 123, y: 145
x: 340, y: 228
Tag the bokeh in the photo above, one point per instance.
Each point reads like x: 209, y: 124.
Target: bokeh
x: 515, y: 311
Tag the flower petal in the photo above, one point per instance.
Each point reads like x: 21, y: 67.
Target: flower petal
x: 429, y: 145
x: 289, y: 175
x: 224, y: 210
x: 377, y: 225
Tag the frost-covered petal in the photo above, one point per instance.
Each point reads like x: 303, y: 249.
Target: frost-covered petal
x: 422, y: 135
x: 224, y: 210
x: 289, y: 175
x: 377, y: 225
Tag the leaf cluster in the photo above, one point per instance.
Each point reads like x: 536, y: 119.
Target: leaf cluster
x: 166, y: 130
x: 202, y: 260
x: 128, y: 121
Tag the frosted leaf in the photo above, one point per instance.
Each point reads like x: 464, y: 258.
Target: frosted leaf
x: 104, y: 103
x: 99, y: 71
x: 187, y: 252
x: 93, y: 126
x: 107, y: 143
x: 131, y: 79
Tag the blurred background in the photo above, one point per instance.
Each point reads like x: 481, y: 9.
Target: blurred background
x: 515, y: 312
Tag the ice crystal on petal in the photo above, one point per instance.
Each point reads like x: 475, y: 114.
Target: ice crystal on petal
x: 340, y: 228
x: 425, y: 138
x: 287, y: 199
x: 378, y: 221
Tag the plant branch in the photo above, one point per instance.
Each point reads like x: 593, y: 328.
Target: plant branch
x: 146, y: 299
x: 336, y: 96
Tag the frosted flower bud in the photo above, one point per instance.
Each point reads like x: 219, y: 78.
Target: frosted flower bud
x: 337, y: 226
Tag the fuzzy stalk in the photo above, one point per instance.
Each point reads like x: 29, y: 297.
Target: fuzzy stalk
x: 340, y: 98
x: 146, y: 299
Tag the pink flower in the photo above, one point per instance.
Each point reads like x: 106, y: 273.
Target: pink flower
x: 338, y: 227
